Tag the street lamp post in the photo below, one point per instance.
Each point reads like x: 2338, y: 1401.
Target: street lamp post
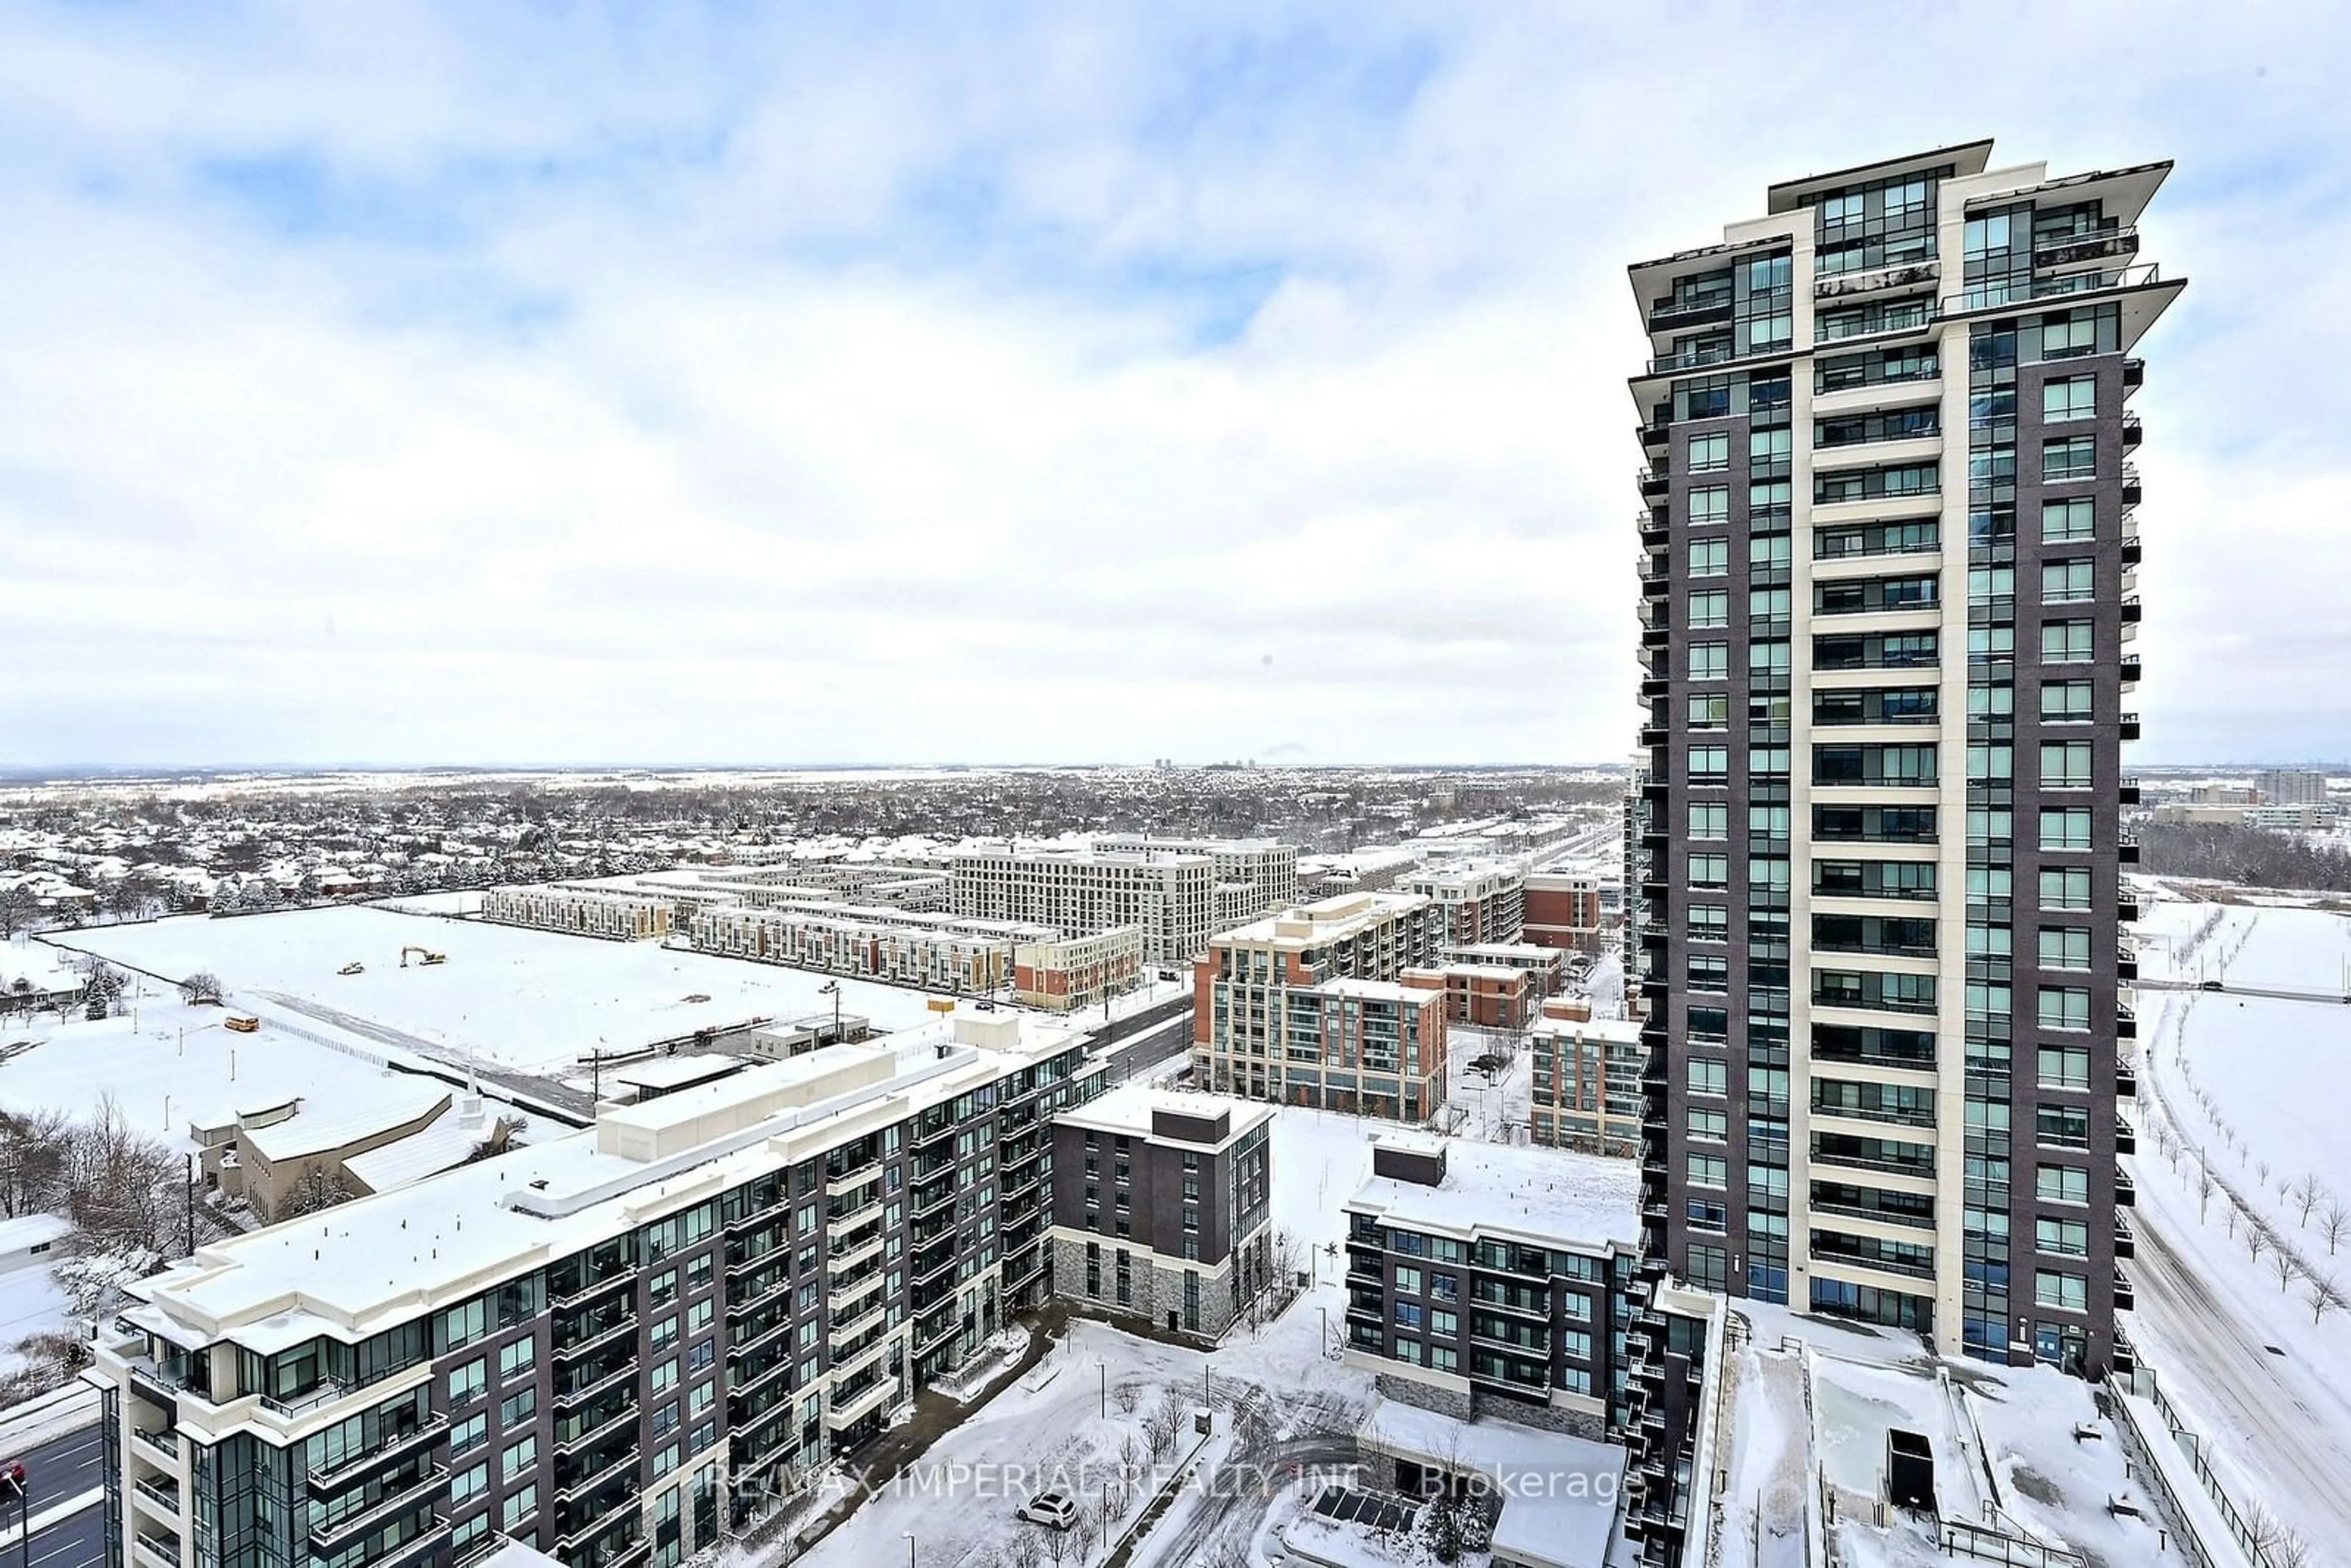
x: 1104, y: 1367
x: 14, y: 1477
x: 910, y: 1547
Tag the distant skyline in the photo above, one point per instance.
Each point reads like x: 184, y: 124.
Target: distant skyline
x: 992, y: 385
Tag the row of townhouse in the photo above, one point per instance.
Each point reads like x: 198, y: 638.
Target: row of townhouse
x: 930, y: 951
x: 581, y: 911
x: 609, y: 1344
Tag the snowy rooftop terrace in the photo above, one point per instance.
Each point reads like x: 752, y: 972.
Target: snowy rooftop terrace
x: 1541, y: 1196
x: 376, y: 1261
x: 1130, y: 1108
x: 2021, y: 1453
x: 1331, y: 919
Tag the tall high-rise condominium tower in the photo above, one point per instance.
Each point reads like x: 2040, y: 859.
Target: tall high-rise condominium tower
x: 1888, y: 555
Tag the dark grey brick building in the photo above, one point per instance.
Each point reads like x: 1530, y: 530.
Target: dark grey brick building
x: 1161, y: 1207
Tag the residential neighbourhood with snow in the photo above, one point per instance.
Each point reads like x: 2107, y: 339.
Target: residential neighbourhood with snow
x: 591, y: 975
x: 778, y: 1262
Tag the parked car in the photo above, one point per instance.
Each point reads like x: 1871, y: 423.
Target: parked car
x: 1057, y: 1509
x: 2210, y: 986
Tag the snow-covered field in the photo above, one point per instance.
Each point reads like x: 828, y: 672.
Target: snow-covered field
x: 536, y: 1001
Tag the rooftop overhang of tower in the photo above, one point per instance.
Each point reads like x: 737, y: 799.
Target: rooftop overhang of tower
x: 1966, y: 158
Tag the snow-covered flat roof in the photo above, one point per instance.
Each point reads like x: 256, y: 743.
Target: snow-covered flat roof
x: 1375, y: 990
x: 1622, y: 1031
x: 1560, y: 1493
x: 33, y: 1230
x: 317, y: 1128
x: 1128, y: 1109
x: 375, y: 1261
x: 1542, y: 1195
x: 677, y: 1071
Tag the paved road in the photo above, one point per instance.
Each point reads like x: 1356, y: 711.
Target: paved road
x: 63, y: 1468
x: 2337, y: 998
x: 1145, y: 1051
x: 1239, y: 1494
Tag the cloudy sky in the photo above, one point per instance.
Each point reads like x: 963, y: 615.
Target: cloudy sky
x: 984, y: 382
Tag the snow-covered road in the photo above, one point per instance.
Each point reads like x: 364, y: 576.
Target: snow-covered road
x: 2282, y: 1427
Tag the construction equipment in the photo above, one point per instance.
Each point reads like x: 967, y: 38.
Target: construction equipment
x: 424, y: 955
x: 353, y: 968
x: 241, y: 1024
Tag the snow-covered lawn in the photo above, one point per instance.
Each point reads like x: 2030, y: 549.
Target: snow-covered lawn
x: 537, y: 1002
x: 31, y: 1303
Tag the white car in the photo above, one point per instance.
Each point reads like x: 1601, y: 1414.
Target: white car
x: 1057, y: 1509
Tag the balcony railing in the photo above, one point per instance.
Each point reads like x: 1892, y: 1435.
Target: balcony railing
x: 2065, y: 250
x: 1900, y: 275
x: 2019, y: 290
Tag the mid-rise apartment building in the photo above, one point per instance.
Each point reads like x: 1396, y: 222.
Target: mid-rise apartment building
x: 1305, y: 1007
x: 1170, y: 895
x: 603, y: 1345
x: 1484, y: 1279
x: 1252, y: 875
x: 1562, y: 910
x: 1889, y: 537
x: 1477, y: 900
x: 1587, y: 1085
x: 1161, y: 1207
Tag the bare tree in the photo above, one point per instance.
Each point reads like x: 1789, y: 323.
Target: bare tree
x: 2334, y: 1223
x: 1126, y: 1396
x: 2323, y: 1295
x: 2306, y: 1195
x: 319, y: 1186
x: 2256, y: 1239
x: 2204, y: 1185
x: 2288, y: 1551
x: 33, y: 1150
x: 1163, y: 1422
x: 1087, y: 1530
x: 2283, y: 1264
x: 2261, y: 1528
x: 204, y: 986
x: 18, y: 908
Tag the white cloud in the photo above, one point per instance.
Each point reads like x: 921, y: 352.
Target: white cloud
x: 1033, y: 387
